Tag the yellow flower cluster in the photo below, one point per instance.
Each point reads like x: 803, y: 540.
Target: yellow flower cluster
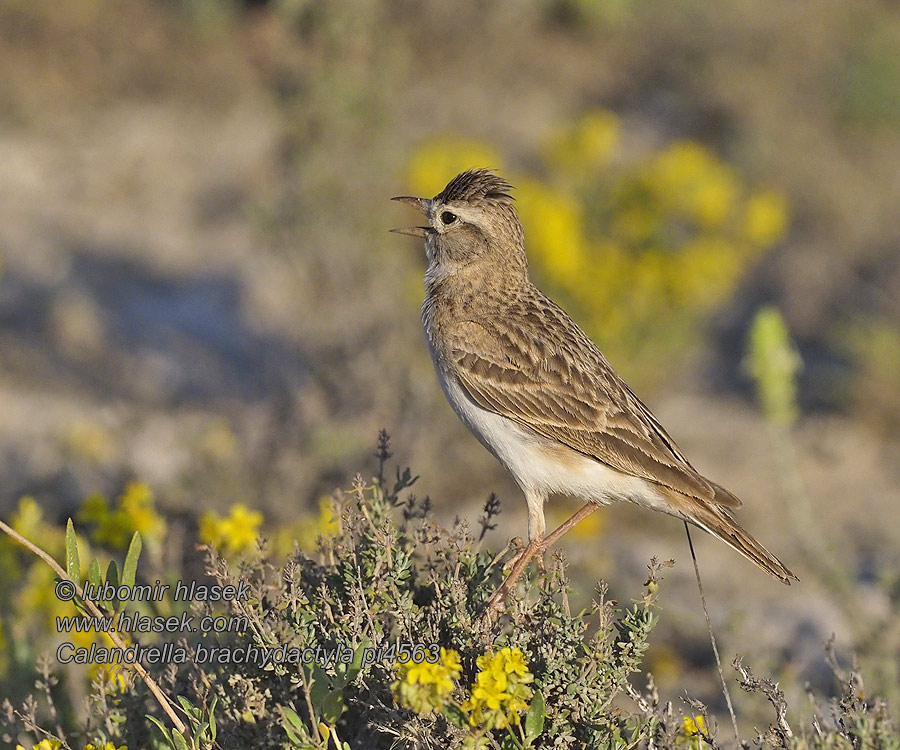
x: 134, y: 511
x: 501, y: 690
x: 235, y: 532
x: 425, y: 687
x: 690, y: 734
x: 46, y: 744
x: 639, y: 250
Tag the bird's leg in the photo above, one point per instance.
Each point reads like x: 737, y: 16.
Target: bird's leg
x: 537, y: 525
x: 567, y: 526
x: 535, y: 547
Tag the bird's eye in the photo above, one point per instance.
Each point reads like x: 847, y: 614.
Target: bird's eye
x: 447, y: 217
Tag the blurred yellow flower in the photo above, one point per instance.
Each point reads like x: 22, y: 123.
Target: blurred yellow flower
x: 437, y: 161
x: 425, y: 687
x: 638, y: 251
x: 218, y: 442
x: 687, y: 178
x: 553, y: 223
x: 114, y: 527
x: 90, y: 441
x: 28, y: 519
x: 588, y: 146
x: 307, y: 529
x: 765, y: 218
x: 235, y: 532
x: 137, y: 505
x: 104, y: 746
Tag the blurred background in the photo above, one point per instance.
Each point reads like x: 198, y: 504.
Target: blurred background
x: 204, y: 321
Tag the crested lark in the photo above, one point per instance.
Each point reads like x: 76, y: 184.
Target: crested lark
x: 536, y: 391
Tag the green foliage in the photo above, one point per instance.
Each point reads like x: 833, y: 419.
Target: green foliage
x: 774, y: 363
x: 866, y: 82
x: 875, y: 348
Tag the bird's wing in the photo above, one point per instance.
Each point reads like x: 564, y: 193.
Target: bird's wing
x: 560, y: 385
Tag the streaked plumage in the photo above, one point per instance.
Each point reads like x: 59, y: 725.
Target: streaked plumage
x: 534, y: 388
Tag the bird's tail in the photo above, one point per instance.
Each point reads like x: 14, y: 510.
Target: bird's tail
x: 718, y: 522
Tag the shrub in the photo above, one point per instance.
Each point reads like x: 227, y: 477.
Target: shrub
x: 377, y: 641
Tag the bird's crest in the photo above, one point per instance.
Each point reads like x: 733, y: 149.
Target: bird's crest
x: 476, y: 186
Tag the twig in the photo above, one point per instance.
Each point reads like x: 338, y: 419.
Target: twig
x: 774, y: 695
x: 712, y: 639
x: 160, y: 696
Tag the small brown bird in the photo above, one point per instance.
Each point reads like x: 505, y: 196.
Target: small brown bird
x: 536, y: 391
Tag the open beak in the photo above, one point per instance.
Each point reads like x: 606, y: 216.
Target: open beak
x: 422, y: 205
x: 413, y: 231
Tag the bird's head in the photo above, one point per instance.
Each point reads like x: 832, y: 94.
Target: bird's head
x: 472, y: 219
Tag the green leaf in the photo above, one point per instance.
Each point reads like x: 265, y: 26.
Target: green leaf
x: 319, y: 688
x: 291, y: 716
x: 162, y: 729
x: 179, y: 742
x: 356, y: 666
x: 295, y: 740
x: 112, y: 578
x: 194, y: 714
x: 454, y: 715
x: 131, y: 559
x: 73, y: 567
x: 534, y: 719
x: 333, y: 707
x: 94, y: 573
x: 212, y: 718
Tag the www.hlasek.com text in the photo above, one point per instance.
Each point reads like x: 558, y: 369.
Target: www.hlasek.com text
x: 135, y: 622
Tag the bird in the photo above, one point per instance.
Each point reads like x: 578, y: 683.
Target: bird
x: 536, y: 391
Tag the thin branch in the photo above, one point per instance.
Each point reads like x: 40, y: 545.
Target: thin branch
x: 94, y: 610
x: 712, y: 639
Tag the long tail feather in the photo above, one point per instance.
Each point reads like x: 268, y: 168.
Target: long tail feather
x: 718, y: 522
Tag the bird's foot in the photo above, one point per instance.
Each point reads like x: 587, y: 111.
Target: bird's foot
x: 526, y: 550
x: 516, y: 566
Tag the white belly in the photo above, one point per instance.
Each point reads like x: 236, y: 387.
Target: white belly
x: 541, y: 467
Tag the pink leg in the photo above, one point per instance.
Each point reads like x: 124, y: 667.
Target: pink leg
x: 520, y: 562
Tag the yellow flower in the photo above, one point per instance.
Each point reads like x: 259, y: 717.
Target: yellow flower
x: 104, y: 746
x: 693, y: 724
x: 765, y: 218
x: 439, y: 160
x: 46, y: 744
x: 624, y: 244
x: 585, y: 149
x: 114, y: 527
x: 501, y: 691
x: 90, y: 441
x: 690, y: 734
x: 425, y: 687
x: 235, y: 533
x: 137, y: 506
x: 553, y: 223
x: 308, y: 528
x: 28, y: 518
